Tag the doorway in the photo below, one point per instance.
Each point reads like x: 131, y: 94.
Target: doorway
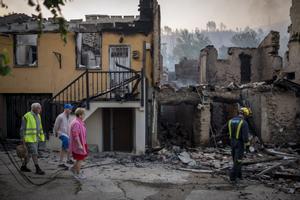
x: 245, y: 68
x: 118, y: 129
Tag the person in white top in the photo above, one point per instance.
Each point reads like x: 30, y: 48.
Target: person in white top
x: 61, y: 130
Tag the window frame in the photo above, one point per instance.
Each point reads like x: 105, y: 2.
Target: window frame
x: 79, y: 54
x: 16, y: 65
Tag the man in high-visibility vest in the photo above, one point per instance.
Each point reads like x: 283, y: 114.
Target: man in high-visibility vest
x: 238, y: 130
x: 32, y: 133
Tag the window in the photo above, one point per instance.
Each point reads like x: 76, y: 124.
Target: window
x: 26, y: 50
x: 290, y: 76
x: 88, y: 50
x: 245, y: 68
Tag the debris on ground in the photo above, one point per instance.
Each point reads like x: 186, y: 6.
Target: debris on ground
x: 275, y: 167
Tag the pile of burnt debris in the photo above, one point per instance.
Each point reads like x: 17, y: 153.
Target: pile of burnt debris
x: 277, y: 167
x: 274, y: 166
x: 174, y: 134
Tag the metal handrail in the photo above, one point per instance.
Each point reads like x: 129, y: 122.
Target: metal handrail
x: 59, y: 93
x: 79, y: 89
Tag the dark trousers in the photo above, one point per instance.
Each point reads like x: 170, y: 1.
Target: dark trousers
x: 237, y: 153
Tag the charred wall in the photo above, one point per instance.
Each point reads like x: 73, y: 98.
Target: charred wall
x: 292, y: 56
x: 176, y: 124
x: 275, y: 113
x: 243, y: 65
x: 187, y: 72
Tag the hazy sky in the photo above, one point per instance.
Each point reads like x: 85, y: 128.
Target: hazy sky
x: 179, y: 13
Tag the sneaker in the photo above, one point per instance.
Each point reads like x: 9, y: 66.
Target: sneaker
x: 81, y: 176
x: 74, y: 173
x: 76, y: 176
x: 63, y: 165
x: 71, y: 162
x: 25, y: 169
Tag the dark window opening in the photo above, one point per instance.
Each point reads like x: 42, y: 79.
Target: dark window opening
x: 88, y: 50
x: 291, y: 76
x: 26, y: 50
x: 245, y: 68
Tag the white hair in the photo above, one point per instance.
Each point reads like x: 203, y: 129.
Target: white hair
x: 35, y: 106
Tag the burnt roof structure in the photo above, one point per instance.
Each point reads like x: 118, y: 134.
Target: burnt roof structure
x: 22, y: 23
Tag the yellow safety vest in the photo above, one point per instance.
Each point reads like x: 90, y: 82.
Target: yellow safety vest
x: 237, y: 135
x: 30, y: 133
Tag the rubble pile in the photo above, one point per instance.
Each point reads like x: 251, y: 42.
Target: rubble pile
x: 275, y: 167
x: 174, y: 134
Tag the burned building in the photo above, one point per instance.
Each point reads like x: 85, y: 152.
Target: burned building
x: 187, y: 72
x: 258, y: 78
x: 292, y: 65
x: 243, y: 65
x: 110, y: 65
x: 254, y: 77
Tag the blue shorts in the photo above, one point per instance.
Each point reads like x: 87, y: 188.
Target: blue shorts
x: 64, y: 142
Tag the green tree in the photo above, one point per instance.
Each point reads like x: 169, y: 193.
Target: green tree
x: 222, y: 26
x: 167, y: 30
x: 189, y: 44
x: 246, y: 38
x: 211, y: 26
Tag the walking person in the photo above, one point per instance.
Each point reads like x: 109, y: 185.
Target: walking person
x: 78, y: 143
x: 61, y: 130
x: 238, y: 130
x: 32, y: 133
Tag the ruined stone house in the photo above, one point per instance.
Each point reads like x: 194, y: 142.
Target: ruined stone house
x: 243, y: 65
x: 254, y: 77
x: 187, y: 72
x: 110, y: 65
x: 292, y: 59
x: 259, y: 78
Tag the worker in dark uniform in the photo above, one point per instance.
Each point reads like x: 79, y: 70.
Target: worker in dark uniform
x: 238, y: 130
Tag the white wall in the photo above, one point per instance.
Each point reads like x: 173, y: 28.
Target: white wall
x: 140, y: 131
x: 94, y: 125
x: 95, y: 129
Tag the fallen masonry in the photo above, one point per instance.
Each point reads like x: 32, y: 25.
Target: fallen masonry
x: 162, y: 170
x: 196, y: 115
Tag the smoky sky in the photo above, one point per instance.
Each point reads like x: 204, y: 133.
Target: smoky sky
x: 179, y: 13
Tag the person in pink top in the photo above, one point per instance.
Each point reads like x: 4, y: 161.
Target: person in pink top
x: 78, y: 144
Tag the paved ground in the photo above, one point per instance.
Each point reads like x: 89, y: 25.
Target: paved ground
x: 120, y: 180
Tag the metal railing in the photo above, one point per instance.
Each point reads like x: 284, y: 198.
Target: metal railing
x: 102, y: 85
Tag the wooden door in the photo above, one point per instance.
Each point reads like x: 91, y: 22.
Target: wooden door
x: 118, y: 129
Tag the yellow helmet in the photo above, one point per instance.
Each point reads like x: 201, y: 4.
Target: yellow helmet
x: 245, y: 111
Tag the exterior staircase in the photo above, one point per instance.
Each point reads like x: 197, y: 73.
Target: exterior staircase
x: 94, y: 86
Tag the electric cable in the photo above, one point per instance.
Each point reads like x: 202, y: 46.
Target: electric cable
x: 53, y: 176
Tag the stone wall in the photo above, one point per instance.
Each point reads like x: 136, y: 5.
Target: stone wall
x: 243, y: 65
x: 276, y: 114
x: 157, y: 62
x: 202, y: 121
x: 292, y: 56
x: 187, y: 72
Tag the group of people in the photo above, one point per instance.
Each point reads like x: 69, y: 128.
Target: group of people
x: 71, y: 132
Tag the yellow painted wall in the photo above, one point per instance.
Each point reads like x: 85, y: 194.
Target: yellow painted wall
x: 47, y: 77
x: 135, y: 42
